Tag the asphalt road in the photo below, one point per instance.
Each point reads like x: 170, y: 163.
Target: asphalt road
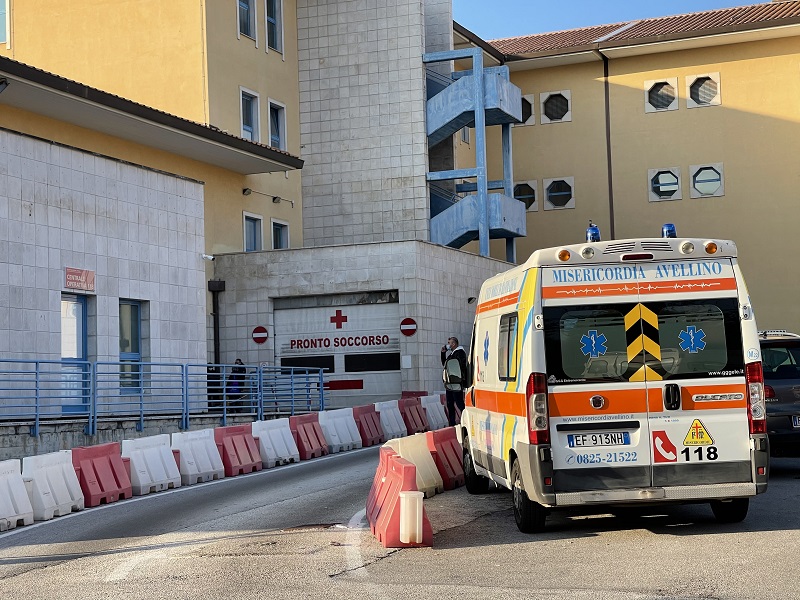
x: 298, y: 532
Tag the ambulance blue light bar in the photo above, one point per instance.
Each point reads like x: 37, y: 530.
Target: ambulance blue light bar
x: 592, y: 233
x: 668, y: 231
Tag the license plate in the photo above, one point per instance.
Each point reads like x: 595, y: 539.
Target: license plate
x: 588, y: 440
x: 795, y: 420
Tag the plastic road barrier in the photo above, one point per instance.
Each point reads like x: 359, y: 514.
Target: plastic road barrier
x: 52, y: 484
x: 415, y: 450
x: 101, y: 473
x: 275, y: 442
x: 153, y: 466
x: 434, y: 410
x: 349, y: 420
x: 340, y: 428
x: 369, y: 425
x: 395, y: 510
x: 15, y: 505
x: 238, y: 448
x: 308, y: 435
x: 332, y: 435
x: 391, y: 419
x: 413, y: 415
x: 447, y: 455
x: 199, y: 457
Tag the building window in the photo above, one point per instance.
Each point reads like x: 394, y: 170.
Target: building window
x: 274, y: 25
x: 252, y: 233
x: 507, y: 347
x: 525, y: 191
x: 3, y: 21
x: 130, y: 345
x: 247, y: 11
x: 703, y: 90
x: 664, y: 184
x: 76, y: 383
x: 556, y: 107
x: 661, y: 95
x: 250, y: 116
x: 528, y: 116
x: 559, y: 193
x: 277, y: 126
x: 280, y: 235
x: 465, y: 135
x: 707, y: 180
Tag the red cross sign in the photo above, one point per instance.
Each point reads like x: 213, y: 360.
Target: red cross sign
x: 339, y: 319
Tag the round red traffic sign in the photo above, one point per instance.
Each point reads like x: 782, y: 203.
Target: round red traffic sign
x: 408, y: 326
x: 260, y: 334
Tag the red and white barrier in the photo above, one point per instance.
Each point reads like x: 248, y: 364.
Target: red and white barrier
x: 415, y: 450
x: 52, y: 484
x: 15, y: 505
x: 199, y: 458
x: 275, y: 442
x: 413, y: 415
x: 153, y: 466
x: 308, y: 435
x: 238, y: 449
x: 447, y: 455
x: 102, y: 473
x: 369, y: 425
x: 437, y: 419
x: 391, y: 419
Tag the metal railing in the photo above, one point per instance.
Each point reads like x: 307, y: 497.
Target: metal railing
x: 35, y: 390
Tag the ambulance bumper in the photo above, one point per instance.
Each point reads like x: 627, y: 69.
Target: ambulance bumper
x: 665, y: 494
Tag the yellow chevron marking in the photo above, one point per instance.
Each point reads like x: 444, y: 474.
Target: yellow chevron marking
x: 635, y: 347
x: 638, y: 376
x: 633, y: 317
x: 651, y: 347
x: 649, y: 316
x: 652, y: 375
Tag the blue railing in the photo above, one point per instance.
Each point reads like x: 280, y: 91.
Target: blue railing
x: 36, y: 390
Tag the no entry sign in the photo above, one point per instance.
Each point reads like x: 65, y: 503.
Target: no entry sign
x: 408, y: 326
x: 260, y: 334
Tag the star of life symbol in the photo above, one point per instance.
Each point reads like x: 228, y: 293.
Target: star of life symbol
x: 692, y: 339
x: 486, y: 349
x: 593, y: 345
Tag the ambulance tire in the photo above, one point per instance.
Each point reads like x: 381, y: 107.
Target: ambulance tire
x: 731, y: 511
x: 530, y: 516
x: 475, y: 484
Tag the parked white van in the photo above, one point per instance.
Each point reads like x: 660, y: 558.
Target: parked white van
x: 626, y: 371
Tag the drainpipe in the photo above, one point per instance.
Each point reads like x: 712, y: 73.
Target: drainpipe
x: 216, y: 286
x: 609, y: 162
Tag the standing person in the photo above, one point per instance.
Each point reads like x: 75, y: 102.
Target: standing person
x: 235, y: 388
x: 455, y: 397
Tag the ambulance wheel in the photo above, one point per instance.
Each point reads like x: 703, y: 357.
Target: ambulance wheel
x: 475, y: 484
x: 530, y: 516
x: 730, y: 511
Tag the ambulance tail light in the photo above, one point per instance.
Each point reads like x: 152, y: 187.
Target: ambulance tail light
x: 756, y: 409
x: 538, y: 421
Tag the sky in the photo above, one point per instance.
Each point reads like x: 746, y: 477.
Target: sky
x: 493, y: 19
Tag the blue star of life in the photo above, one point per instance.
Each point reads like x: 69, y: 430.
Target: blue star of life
x: 593, y: 345
x: 692, y: 340
x: 486, y: 349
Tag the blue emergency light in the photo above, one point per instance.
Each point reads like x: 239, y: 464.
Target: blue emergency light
x: 668, y: 231
x: 592, y: 233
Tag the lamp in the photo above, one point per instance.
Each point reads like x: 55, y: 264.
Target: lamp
x: 275, y: 199
x: 246, y: 191
x: 3, y: 84
x: 471, y: 300
x: 278, y: 199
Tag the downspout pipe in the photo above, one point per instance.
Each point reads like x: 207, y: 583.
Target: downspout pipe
x: 216, y: 286
x: 609, y: 160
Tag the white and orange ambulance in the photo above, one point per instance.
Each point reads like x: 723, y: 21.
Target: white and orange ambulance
x: 626, y: 371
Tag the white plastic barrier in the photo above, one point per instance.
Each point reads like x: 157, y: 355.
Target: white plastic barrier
x: 340, y: 429
x: 200, y: 460
x: 391, y: 419
x: 275, y: 442
x: 52, y: 484
x: 352, y: 428
x: 153, y: 466
x: 15, y: 505
x: 414, y: 449
x: 328, y: 424
x: 435, y: 411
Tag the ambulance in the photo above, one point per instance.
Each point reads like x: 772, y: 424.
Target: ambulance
x: 618, y: 372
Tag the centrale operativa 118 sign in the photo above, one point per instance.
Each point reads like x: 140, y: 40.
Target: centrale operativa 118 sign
x: 78, y: 279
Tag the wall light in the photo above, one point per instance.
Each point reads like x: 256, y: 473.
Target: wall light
x: 3, y: 84
x: 278, y: 199
x: 471, y: 300
x: 275, y: 199
x: 246, y: 191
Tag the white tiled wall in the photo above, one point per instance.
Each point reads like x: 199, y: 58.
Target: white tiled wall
x: 141, y: 231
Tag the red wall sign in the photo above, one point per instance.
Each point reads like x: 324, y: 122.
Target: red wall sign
x: 78, y: 279
x: 260, y: 334
x: 408, y: 326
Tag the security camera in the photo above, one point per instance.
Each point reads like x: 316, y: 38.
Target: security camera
x: 208, y: 257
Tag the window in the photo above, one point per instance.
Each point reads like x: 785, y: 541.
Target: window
x: 703, y: 90
x: 556, y: 106
x: 280, y: 235
x: 528, y: 118
x: 274, y: 25
x: 3, y: 22
x: 277, y: 126
x: 130, y: 345
x: 526, y: 192
x: 559, y: 193
x: 664, y: 184
x: 707, y: 180
x: 465, y: 135
x: 76, y: 383
x: 247, y: 11
x: 507, y: 347
x: 661, y: 95
x: 250, y: 116
x: 252, y: 233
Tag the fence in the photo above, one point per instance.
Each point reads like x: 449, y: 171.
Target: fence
x: 36, y: 390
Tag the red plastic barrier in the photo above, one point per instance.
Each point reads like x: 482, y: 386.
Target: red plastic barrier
x: 308, y: 436
x: 238, y: 449
x: 414, y: 415
x: 443, y: 398
x: 369, y: 425
x: 447, y: 455
x: 101, y: 474
x: 400, y: 475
